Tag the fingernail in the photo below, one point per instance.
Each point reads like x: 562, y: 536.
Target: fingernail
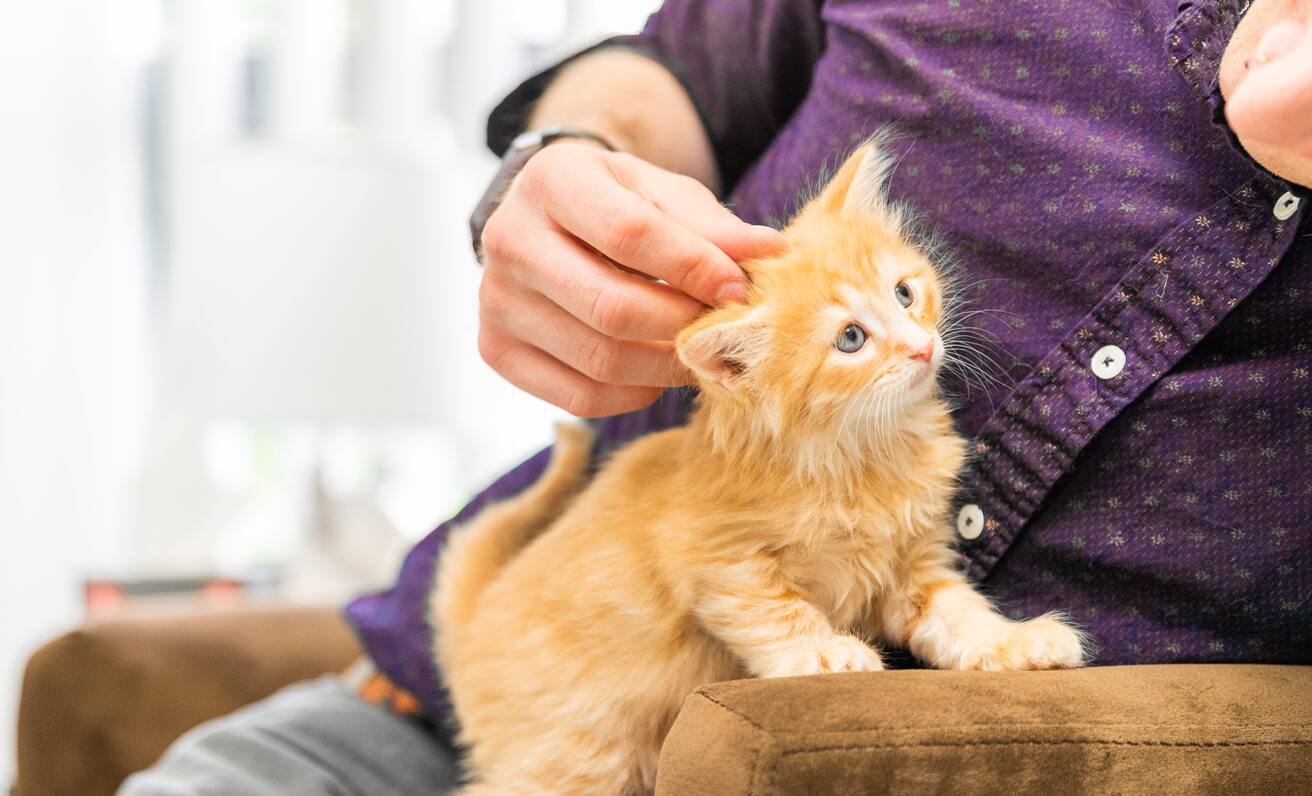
x: 768, y: 233
x: 731, y: 293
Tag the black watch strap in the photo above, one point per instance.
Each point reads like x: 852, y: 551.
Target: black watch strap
x: 525, y: 146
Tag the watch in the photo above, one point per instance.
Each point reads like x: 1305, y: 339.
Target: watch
x: 524, y: 146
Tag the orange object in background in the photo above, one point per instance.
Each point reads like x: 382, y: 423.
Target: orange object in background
x: 107, y: 598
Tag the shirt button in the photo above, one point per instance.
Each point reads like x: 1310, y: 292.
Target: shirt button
x: 1107, y: 362
x: 970, y: 521
x: 1286, y: 206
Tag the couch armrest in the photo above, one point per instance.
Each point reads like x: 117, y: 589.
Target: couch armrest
x: 105, y: 700
x: 1170, y: 729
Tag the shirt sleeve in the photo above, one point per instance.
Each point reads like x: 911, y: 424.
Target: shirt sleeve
x: 746, y: 64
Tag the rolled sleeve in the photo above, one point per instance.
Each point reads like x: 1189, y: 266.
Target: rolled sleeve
x: 746, y: 64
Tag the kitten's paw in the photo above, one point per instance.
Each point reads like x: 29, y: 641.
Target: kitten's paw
x: 839, y: 654
x: 1045, y: 642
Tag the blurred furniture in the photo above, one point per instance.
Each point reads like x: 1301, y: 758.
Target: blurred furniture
x: 106, y: 700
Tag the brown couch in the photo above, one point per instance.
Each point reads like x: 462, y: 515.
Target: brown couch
x: 105, y: 700
x: 1200, y: 729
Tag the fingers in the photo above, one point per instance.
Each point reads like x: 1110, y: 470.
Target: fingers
x: 537, y: 373
x: 567, y: 311
x: 693, y: 205
x: 621, y: 215
x: 533, y: 319
x: 612, y: 302
x: 543, y: 348
x: 633, y: 232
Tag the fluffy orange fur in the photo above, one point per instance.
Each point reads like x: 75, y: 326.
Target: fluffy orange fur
x: 800, y: 516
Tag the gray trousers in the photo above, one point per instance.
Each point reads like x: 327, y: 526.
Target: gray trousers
x: 309, y: 739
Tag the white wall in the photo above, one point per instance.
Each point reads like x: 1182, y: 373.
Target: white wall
x: 79, y: 375
x: 73, y: 382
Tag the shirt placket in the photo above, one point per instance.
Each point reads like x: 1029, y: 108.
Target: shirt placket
x: 1155, y: 315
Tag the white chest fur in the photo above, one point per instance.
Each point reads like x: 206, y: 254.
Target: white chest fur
x: 851, y: 560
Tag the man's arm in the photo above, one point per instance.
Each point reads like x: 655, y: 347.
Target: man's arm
x: 558, y: 318
x: 636, y: 104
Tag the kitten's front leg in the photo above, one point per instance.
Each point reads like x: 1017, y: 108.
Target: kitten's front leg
x: 770, y: 627
x: 946, y: 623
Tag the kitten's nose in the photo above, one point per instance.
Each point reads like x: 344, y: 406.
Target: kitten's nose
x: 925, y: 353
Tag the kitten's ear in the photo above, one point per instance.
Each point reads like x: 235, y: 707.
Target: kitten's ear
x: 726, y: 350
x: 859, y: 184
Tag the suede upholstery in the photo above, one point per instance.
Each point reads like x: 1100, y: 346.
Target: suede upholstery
x: 103, y: 701
x: 1198, y: 729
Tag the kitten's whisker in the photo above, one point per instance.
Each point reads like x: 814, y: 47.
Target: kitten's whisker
x: 842, y: 425
x: 868, y: 409
x: 862, y: 431
x: 961, y: 353
x: 881, y: 417
x: 1002, y: 316
x: 972, y: 339
x: 972, y: 342
x: 972, y: 374
x: 958, y: 327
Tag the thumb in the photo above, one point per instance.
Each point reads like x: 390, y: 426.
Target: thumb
x: 737, y: 238
x: 701, y: 212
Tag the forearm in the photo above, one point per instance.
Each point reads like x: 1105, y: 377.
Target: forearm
x: 637, y: 105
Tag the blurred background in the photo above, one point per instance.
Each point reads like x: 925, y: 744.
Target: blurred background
x: 237, y: 302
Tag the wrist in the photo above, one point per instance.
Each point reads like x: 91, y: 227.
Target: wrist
x: 522, y: 149
x: 616, y: 131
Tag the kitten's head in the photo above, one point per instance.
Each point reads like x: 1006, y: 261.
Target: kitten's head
x: 840, y: 334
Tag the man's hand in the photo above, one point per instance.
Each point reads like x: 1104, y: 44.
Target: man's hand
x: 1266, y: 77
x: 1273, y: 101
x: 570, y: 309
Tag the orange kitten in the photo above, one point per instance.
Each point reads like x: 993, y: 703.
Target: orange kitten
x: 800, y: 515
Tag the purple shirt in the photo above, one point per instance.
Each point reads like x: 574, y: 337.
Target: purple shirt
x: 1143, y: 458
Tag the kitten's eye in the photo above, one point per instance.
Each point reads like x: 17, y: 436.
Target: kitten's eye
x: 851, y: 339
x: 904, y: 295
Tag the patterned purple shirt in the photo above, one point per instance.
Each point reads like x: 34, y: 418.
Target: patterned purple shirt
x: 1143, y: 458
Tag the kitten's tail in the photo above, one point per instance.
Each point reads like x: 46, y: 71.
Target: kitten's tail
x: 476, y: 552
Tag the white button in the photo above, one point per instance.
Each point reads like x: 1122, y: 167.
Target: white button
x: 970, y: 521
x: 1107, y: 362
x: 1286, y: 206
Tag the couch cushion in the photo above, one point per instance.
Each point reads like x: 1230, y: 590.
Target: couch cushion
x: 1179, y: 728
x: 105, y: 700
